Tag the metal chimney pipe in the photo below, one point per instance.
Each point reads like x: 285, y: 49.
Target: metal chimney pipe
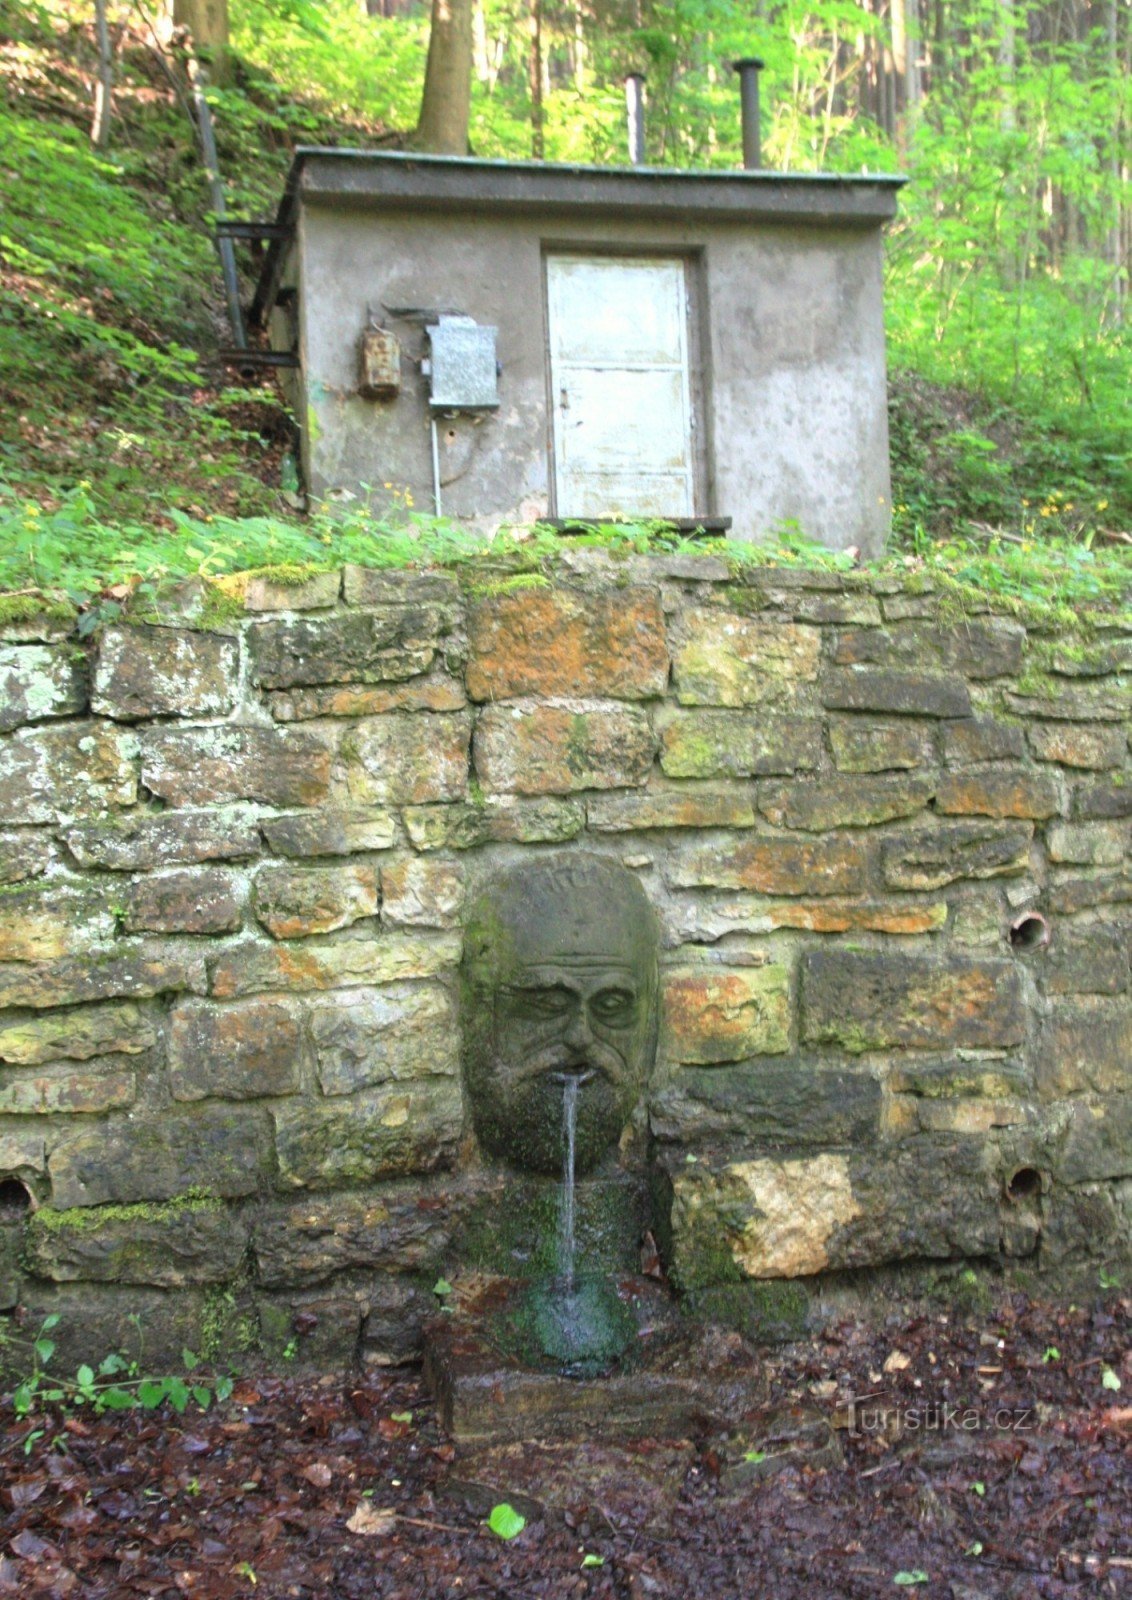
x: 748, y: 69
x: 635, y: 113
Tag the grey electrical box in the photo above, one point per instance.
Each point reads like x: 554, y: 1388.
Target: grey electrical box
x: 462, y: 368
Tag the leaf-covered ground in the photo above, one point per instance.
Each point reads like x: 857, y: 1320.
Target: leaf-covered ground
x: 344, y: 1487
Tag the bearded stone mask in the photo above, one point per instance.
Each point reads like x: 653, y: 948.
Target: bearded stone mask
x: 559, y: 981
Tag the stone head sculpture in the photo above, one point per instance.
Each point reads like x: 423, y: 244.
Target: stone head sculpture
x: 559, y: 981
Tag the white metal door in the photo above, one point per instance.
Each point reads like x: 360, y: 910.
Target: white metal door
x: 619, y: 384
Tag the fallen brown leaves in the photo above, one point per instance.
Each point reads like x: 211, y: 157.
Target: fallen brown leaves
x: 320, y: 1489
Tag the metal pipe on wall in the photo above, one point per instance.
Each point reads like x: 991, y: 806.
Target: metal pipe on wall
x: 635, y: 114
x: 748, y: 68
x: 224, y: 246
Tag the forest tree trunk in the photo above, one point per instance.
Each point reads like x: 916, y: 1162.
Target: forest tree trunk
x: 446, y: 102
x: 100, y: 127
x: 534, y: 79
x: 207, y: 23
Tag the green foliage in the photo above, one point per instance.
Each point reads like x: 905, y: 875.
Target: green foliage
x: 505, y: 1522
x: 334, y: 55
x: 118, y: 1384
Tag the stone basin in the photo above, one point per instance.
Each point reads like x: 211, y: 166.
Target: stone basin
x: 676, y: 1380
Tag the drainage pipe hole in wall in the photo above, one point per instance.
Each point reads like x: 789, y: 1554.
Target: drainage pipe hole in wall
x: 15, y: 1199
x: 1026, y: 1184
x: 1030, y: 931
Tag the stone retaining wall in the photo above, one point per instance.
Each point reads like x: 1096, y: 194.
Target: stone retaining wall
x: 235, y: 857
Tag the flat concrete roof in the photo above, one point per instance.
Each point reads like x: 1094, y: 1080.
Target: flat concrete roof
x: 395, y: 178
x: 399, y: 180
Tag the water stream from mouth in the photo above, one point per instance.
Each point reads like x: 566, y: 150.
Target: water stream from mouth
x: 567, y: 1248
x: 579, y: 1321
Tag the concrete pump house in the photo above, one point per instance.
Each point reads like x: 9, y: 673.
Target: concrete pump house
x: 517, y: 341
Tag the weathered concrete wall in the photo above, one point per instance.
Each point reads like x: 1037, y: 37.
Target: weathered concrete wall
x: 235, y: 859
x: 788, y: 362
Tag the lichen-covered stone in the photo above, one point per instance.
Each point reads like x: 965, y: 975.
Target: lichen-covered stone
x: 792, y: 1210
x: 350, y: 647
x: 329, y: 833
x: 1075, y: 702
x: 98, y: 1086
x: 860, y: 609
x: 1085, y: 1045
x: 927, y: 858
x: 421, y: 894
x: 735, y: 744
x: 915, y: 694
x: 220, y: 1150
x: 1081, y: 1227
x: 169, y: 839
x: 25, y: 853
x: 22, y: 1151
x: 168, y: 1246
x: 205, y: 901
x: 958, y: 1077
x: 905, y: 607
x: 367, y: 1037
x: 976, y: 739
x: 1103, y: 800
x: 1095, y: 660
x: 402, y: 760
x: 714, y: 1014
x: 1075, y: 746
x: 331, y: 964
x: 434, y: 693
x: 1070, y: 895
x: 1097, y: 844
x: 294, y: 902
x: 245, y: 1051
x: 778, y: 1217
x: 381, y: 1133
x: 723, y: 659
x: 862, y: 744
x: 498, y: 819
x: 43, y: 921
x: 164, y: 672
x: 132, y: 969
x: 998, y: 792
x: 39, y: 681
x: 773, y: 865
x: 563, y: 642
x: 709, y: 920
x: 975, y: 649
x: 77, y: 1034
x: 150, y: 1326
x: 398, y: 586
x: 865, y: 1001
x: 53, y: 774
x: 1092, y: 959
x: 819, y: 806
x: 317, y: 592
x: 215, y: 765
x: 1098, y: 1140
x: 559, y: 747
x: 692, y: 805
x: 11, y: 1264
x: 401, y: 1226
x: 766, y: 1105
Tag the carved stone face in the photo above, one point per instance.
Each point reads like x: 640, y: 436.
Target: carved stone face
x: 560, y: 979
